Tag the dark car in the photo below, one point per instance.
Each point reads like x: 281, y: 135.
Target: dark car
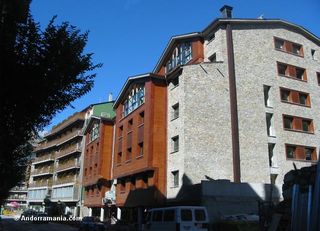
x: 91, y: 224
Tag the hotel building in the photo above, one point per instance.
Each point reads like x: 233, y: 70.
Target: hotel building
x: 236, y: 101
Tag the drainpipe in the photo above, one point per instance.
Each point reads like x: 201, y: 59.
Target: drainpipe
x: 233, y: 104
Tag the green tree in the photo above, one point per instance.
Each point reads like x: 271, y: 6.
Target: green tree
x: 41, y: 72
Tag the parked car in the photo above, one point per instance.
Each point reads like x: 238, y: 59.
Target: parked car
x: 180, y: 218
x: 91, y: 224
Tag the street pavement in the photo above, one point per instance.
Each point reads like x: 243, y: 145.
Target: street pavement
x: 9, y: 224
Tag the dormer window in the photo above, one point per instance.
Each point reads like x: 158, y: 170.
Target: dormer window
x: 180, y: 56
x: 134, y: 99
x: 94, y: 134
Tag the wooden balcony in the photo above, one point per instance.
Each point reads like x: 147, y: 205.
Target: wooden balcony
x: 79, y: 116
x: 73, y: 163
x: 45, y: 145
x: 68, y: 137
x: 41, y: 183
x: 66, y: 179
x: 69, y: 150
x: 44, y: 158
x: 43, y: 171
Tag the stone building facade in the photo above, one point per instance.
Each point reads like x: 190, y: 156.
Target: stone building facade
x: 276, y: 70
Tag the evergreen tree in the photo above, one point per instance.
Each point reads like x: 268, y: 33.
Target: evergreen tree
x: 41, y: 73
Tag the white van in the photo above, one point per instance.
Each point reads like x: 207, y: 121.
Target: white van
x: 180, y: 218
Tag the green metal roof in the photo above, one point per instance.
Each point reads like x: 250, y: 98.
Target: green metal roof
x: 104, y: 110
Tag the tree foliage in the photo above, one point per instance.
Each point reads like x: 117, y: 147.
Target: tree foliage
x: 41, y: 72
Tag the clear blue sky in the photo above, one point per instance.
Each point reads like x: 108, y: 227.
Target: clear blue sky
x: 128, y: 36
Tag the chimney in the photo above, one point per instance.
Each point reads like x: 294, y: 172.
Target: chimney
x: 110, y: 97
x: 226, y: 11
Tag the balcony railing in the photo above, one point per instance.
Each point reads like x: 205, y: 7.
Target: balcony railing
x: 73, y: 163
x: 65, y: 180
x: 42, y: 171
x: 67, y: 137
x: 22, y: 198
x: 45, y: 145
x: 19, y: 188
x: 69, y: 150
x: 44, y: 158
x: 41, y: 183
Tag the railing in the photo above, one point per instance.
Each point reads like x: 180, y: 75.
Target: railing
x: 67, y: 137
x: 65, y: 180
x: 69, y: 150
x: 19, y: 188
x: 73, y: 118
x: 68, y: 164
x: 24, y: 197
x: 46, y: 144
x: 41, y: 183
x: 46, y: 170
x: 44, y: 157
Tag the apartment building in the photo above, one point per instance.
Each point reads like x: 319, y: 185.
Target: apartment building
x: 140, y: 144
x: 55, y: 171
x: 242, y: 101
x: 237, y: 101
x: 97, y: 161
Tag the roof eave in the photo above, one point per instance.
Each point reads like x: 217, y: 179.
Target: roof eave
x: 169, y: 46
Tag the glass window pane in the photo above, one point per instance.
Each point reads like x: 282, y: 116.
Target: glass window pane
x: 200, y: 215
x: 186, y: 215
x: 169, y: 215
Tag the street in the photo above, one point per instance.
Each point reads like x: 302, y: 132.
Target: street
x: 9, y: 224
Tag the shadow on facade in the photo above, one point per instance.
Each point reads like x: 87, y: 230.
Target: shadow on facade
x: 223, y: 198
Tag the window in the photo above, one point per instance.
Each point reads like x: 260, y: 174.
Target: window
x: 134, y: 99
x: 282, y: 69
x: 211, y: 37
x: 169, y: 215
x: 175, y: 144
x: 180, y: 56
x: 119, y: 157
x: 270, y: 124
x: 141, y: 117
x: 175, y: 176
x: 186, y: 214
x: 270, y: 152
x: 313, y: 54
x: 200, y: 215
x: 132, y: 183
x: 307, y: 125
x: 94, y: 132
x: 297, y: 49
x: 213, y: 57
x: 297, y: 152
x: 140, y: 149
x: 157, y: 215
x: 290, y: 150
x: 267, y: 98
x: 308, y: 153
x: 129, y: 153
x: 130, y: 122
x: 175, y: 111
x: 318, y: 78
x: 291, y: 71
x: 279, y: 44
x: 288, y: 122
x: 120, y: 131
x: 175, y: 81
x: 288, y: 46
x: 303, y: 98
x: 295, y: 97
x: 122, y: 186
x: 285, y: 95
x: 298, y: 124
